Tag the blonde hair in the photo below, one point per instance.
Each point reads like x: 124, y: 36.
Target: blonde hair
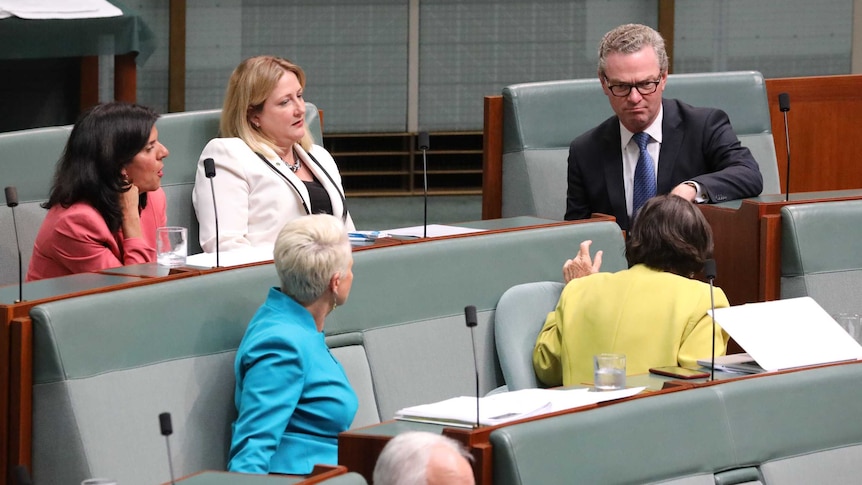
x: 308, y: 251
x: 249, y: 86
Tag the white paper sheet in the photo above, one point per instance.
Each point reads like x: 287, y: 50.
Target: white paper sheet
x: 231, y: 258
x: 434, y: 230
x: 784, y: 334
x: 507, y: 406
x: 59, y: 9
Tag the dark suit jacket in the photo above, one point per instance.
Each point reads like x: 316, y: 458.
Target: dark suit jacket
x: 698, y: 144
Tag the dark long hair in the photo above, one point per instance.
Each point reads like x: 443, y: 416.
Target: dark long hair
x: 103, y: 141
x: 670, y: 234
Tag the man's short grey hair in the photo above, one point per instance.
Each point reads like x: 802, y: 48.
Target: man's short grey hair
x: 631, y: 38
x: 404, y: 460
x: 308, y: 251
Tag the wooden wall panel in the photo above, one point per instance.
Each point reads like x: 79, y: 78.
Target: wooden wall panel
x: 825, y: 123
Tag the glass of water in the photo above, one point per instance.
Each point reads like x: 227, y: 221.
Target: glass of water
x: 171, y: 246
x: 609, y: 372
x: 852, y: 323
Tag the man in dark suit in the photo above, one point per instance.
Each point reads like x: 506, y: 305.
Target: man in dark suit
x: 652, y: 146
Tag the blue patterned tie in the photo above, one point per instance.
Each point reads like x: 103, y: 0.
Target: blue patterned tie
x: 644, y: 186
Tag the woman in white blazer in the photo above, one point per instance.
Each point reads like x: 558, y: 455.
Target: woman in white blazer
x: 268, y: 169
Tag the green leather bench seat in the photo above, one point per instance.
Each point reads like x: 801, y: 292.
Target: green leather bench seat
x: 106, y: 365
x: 27, y: 162
x: 794, y: 428
x: 541, y: 119
x: 820, y: 255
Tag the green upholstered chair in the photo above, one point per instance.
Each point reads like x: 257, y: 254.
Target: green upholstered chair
x: 185, y: 135
x: 27, y: 162
x: 521, y: 312
x: 820, y: 254
x: 541, y: 119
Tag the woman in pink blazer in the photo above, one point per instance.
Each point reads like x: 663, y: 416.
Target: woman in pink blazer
x: 106, y: 201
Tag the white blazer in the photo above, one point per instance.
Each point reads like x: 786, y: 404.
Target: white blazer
x: 255, y: 202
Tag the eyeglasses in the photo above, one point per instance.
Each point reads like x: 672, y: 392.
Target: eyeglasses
x: 622, y: 90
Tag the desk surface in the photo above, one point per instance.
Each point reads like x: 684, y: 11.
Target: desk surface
x: 51, y: 287
x: 143, y: 270
x: 50, y: 38
x: 798, y: 198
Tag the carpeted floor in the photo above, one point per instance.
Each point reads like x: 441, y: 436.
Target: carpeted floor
x: 376, y: 213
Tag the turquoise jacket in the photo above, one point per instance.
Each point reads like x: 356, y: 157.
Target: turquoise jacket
x: 292, y: 396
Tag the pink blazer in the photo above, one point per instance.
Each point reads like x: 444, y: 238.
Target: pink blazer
x: 76, y: 239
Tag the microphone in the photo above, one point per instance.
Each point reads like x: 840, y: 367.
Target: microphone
x: 167, y: 429
x: 784, y: 106
x: 423, y: 145
x: 12, y: 202
x: 470, y: 318
x: 709, y: 272
x: 22, y: 476
x: 209, y: 171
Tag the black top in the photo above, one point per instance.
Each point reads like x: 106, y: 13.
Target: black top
x: 320, y: 202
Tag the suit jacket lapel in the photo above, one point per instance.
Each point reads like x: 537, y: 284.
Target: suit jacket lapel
x: 613, y: 168
x: 673, y: 135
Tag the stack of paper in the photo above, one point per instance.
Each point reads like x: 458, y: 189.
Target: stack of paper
x: 507, y: 406
x: 738, y: 363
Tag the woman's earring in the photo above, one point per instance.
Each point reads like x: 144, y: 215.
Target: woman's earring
x: 334, y: 300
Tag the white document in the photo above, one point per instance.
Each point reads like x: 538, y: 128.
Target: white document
x: 235, y: 257
x: 507, y: 406
x: 434, y: 230
x: 784, y: 334
x: 59, y: 9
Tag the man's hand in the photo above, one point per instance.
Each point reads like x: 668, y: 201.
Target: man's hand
x: 685, y: 191
x: 582, y: 264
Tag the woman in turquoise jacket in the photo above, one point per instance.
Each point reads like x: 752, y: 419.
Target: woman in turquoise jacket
x: 292, y: 396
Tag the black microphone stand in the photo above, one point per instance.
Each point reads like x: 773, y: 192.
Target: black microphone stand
x: 12, y: 201
x: 209, y: 171
x: 709, y: 272
x: 472, y: 322
x: 167, y: 428
x: 784, y: 106
x: 423, y: 145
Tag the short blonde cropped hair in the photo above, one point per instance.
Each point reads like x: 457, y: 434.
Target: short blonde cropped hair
x: 250, y: 84
x: 308, y: 251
